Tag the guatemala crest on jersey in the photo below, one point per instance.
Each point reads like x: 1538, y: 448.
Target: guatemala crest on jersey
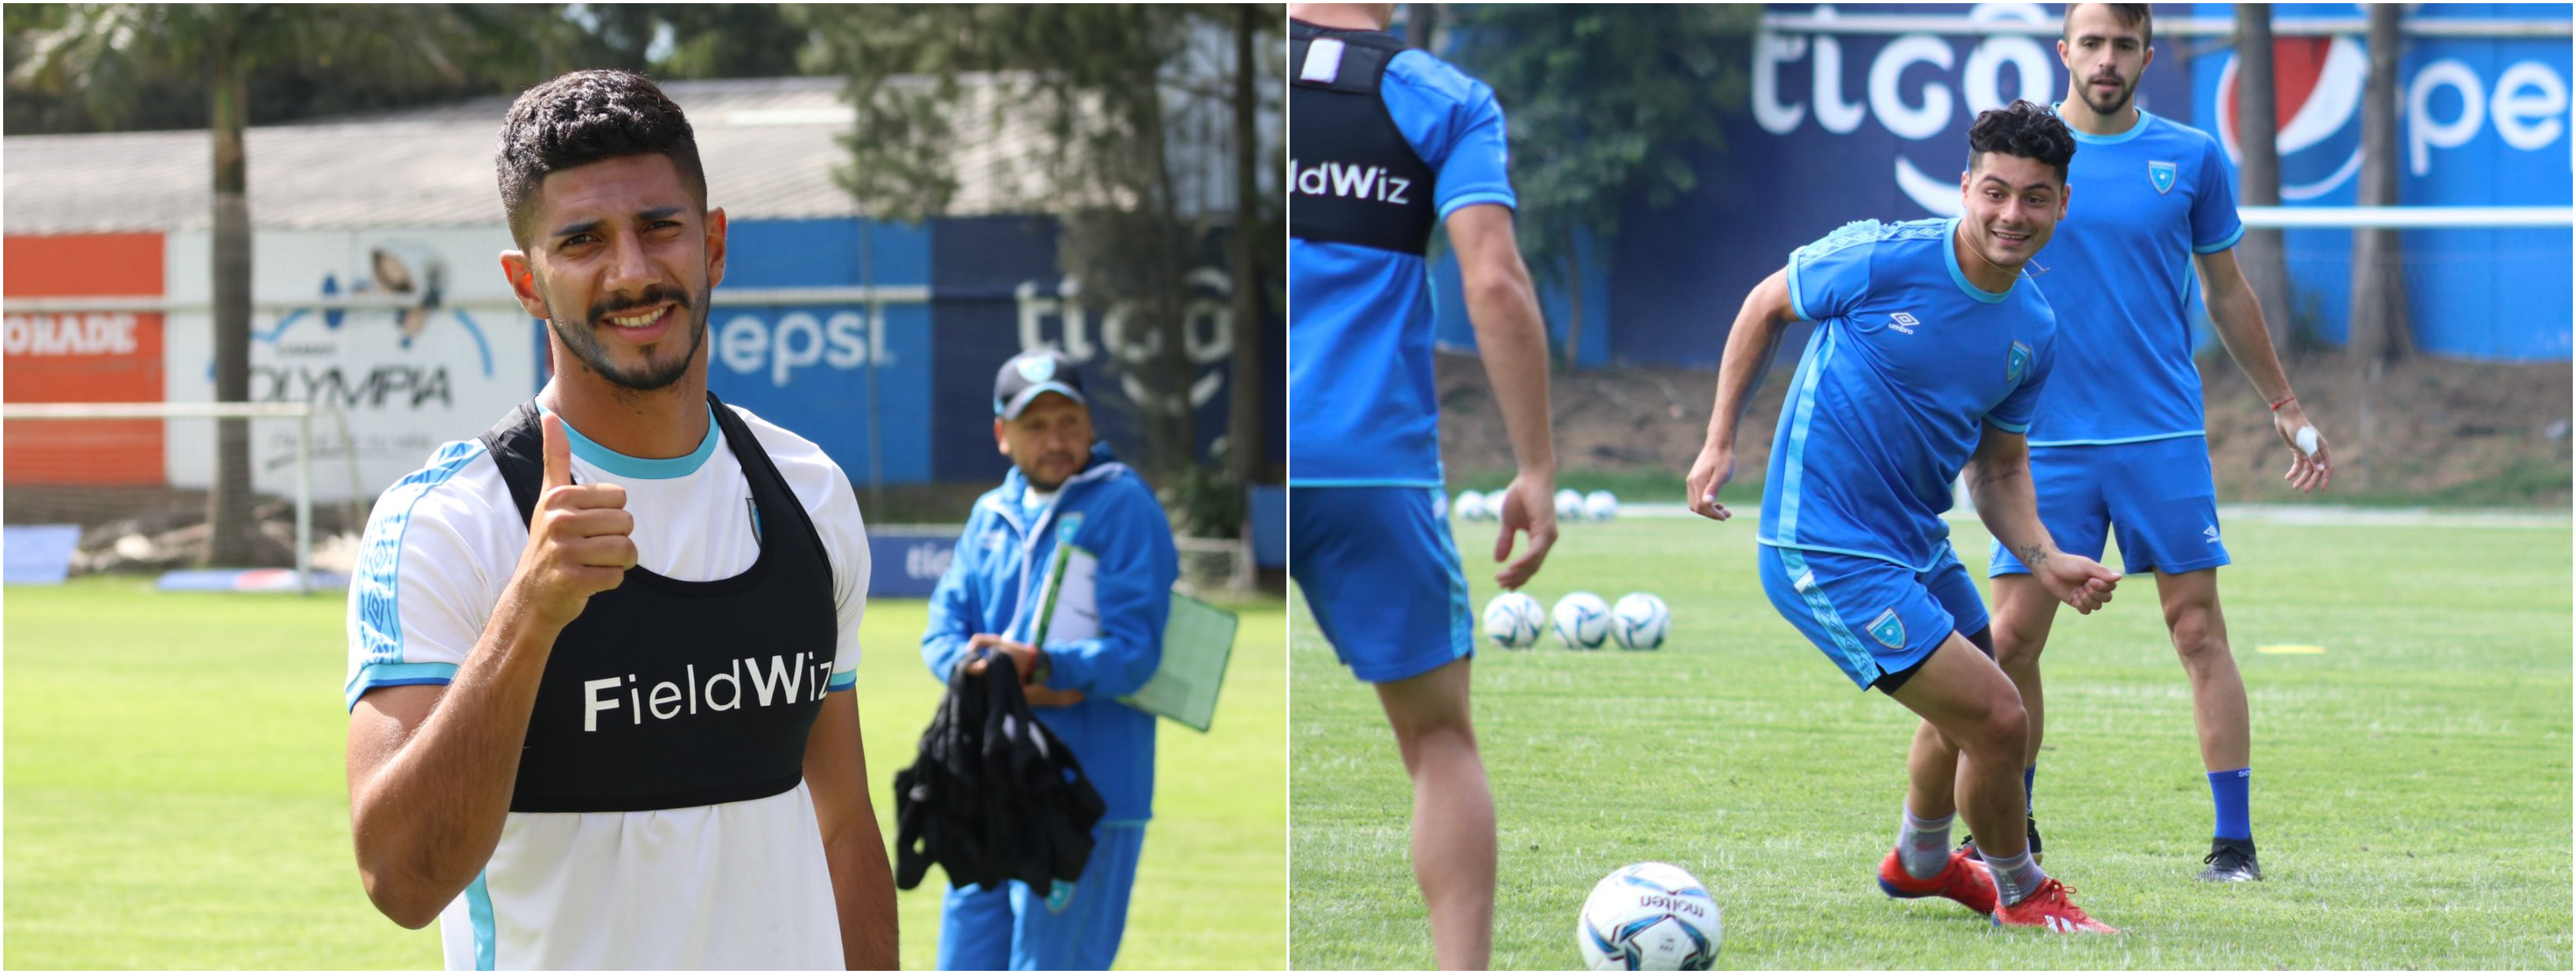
x: 2161, y: 174
x: 1888, y: 630
x: 2016, y: 362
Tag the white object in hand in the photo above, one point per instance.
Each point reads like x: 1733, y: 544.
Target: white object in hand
x: 2306, y: 438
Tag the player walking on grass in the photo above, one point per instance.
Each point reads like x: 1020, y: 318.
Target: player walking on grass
x: 601, y: 658
x: 1385, y: 143
x: 1928, y: 356
x: 2117, y: 443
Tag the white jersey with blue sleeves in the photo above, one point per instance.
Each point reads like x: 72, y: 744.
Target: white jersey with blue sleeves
x: 2140, y: 206
x: 734, y: 885
x: 1908, y: 363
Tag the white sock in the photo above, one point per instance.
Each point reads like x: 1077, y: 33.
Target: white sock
x: 2015, y: 878
x: 1923, y: 845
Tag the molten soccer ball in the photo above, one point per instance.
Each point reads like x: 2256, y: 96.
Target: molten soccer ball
x: 1472, y: 506
x: 1649, y: 917
x: 1569, y: 505
x: 1513, y: 620
x: 1640, y: 621
x: 1582, y: 621
x: 1601, y: 505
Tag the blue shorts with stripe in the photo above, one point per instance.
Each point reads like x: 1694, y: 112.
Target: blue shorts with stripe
x: 1381, y: 574
x: 2153, y: 497
x: 1870, y: 616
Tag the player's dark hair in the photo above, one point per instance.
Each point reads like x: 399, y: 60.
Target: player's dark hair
x: 2023, y: 129
x: 2129, y: 14
x: 586, y: 117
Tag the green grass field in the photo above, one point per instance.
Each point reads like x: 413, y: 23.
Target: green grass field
x: 2411, y: 798
x: 175, y: 792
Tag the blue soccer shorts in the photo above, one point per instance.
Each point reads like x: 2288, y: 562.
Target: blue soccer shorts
x: 1073, y: 926
x: 1382, y: 577
x: 2153, y: 497
x: 1873, y: 618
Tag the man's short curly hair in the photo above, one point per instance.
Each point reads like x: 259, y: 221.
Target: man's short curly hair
x: 582, y: 118
x: 2024, y: 129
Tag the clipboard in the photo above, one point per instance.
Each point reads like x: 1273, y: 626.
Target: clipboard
x: 1198, y: 640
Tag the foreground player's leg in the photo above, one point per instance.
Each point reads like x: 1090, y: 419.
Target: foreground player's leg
x: 1973, y: 706
x: 2218, y: 713
x: 1453, y: 812
x: 2023, y: 615
x: 1923, y: 864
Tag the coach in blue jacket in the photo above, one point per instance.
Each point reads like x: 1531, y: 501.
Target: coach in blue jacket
x: 1063, y: 490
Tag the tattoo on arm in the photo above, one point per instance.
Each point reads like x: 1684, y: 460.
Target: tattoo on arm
x: 2032, y: 555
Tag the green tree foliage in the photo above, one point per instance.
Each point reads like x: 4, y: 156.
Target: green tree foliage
x: 1607, y: 104
x: 494, y: 49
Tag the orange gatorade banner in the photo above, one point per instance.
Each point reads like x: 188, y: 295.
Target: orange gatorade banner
x: 82, y: 356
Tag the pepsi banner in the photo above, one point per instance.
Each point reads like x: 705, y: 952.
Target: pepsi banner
x: 2481, y: 122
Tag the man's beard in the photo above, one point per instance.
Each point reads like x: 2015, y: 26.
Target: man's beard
x: 586, y: 346
x: 2117, y: 103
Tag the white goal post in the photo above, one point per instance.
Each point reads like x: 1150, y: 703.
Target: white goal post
x: 302, y: 413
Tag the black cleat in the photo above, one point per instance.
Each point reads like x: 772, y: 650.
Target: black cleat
x: 2231, y: 861
x: 2030, y: 824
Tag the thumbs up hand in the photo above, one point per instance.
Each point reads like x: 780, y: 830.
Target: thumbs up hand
x: 579, y: 538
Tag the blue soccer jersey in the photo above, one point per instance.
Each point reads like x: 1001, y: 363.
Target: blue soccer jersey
x: 2140, y: 205
x: 1360, y: 391
x: 1908, y: 363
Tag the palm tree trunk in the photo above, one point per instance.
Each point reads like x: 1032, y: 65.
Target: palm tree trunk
x: 230, y: 531
x: 2379, y: 326
x: 2257, y: 135
x: 1244, y: 447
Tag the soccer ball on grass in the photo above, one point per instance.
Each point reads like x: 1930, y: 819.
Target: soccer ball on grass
x: 1651, y: 916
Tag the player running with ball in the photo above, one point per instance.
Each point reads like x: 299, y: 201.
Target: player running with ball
x: 1928, y: 356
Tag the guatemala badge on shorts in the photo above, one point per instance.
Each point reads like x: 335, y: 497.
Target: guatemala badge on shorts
x: 1059, y: 896
x: 2016, y: 362
x: 2161, y: 175
x: 1888, y: 630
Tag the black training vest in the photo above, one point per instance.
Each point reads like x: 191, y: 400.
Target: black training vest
x: 670, y: 694
x: 1353, y: 178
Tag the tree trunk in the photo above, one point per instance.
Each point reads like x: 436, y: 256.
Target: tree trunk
x: 1246, y: 448
x: 2257, y: 136
x: 1421, y: 21
x: 228, y: 508
x: 2380, y: 331
x: 1573, y: 303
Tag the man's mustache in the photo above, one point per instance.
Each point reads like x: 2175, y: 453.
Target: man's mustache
x: 652, y: 294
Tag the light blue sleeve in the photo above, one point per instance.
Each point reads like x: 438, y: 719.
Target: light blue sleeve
x: 1456, y: 127
x: 1138, y: 564
x: 955, y: 610
x: 1830, y: 277
x: 2215, y: 225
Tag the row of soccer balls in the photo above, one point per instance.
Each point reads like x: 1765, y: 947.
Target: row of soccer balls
x: 1599, y: 505
x: 1581, y: 620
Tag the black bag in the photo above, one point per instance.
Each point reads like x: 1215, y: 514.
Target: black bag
x: 994, y: 795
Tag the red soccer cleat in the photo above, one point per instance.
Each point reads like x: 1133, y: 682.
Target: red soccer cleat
x: 2048, y: 909
x: 1964, y: 879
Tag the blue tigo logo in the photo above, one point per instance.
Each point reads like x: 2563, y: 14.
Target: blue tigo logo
x: 2162, y: 175
x: 1039, y: 368
x: 2015, y: 361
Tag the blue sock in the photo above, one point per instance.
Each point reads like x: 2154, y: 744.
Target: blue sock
x: 2027, y: 775
x: 2227, y: 791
